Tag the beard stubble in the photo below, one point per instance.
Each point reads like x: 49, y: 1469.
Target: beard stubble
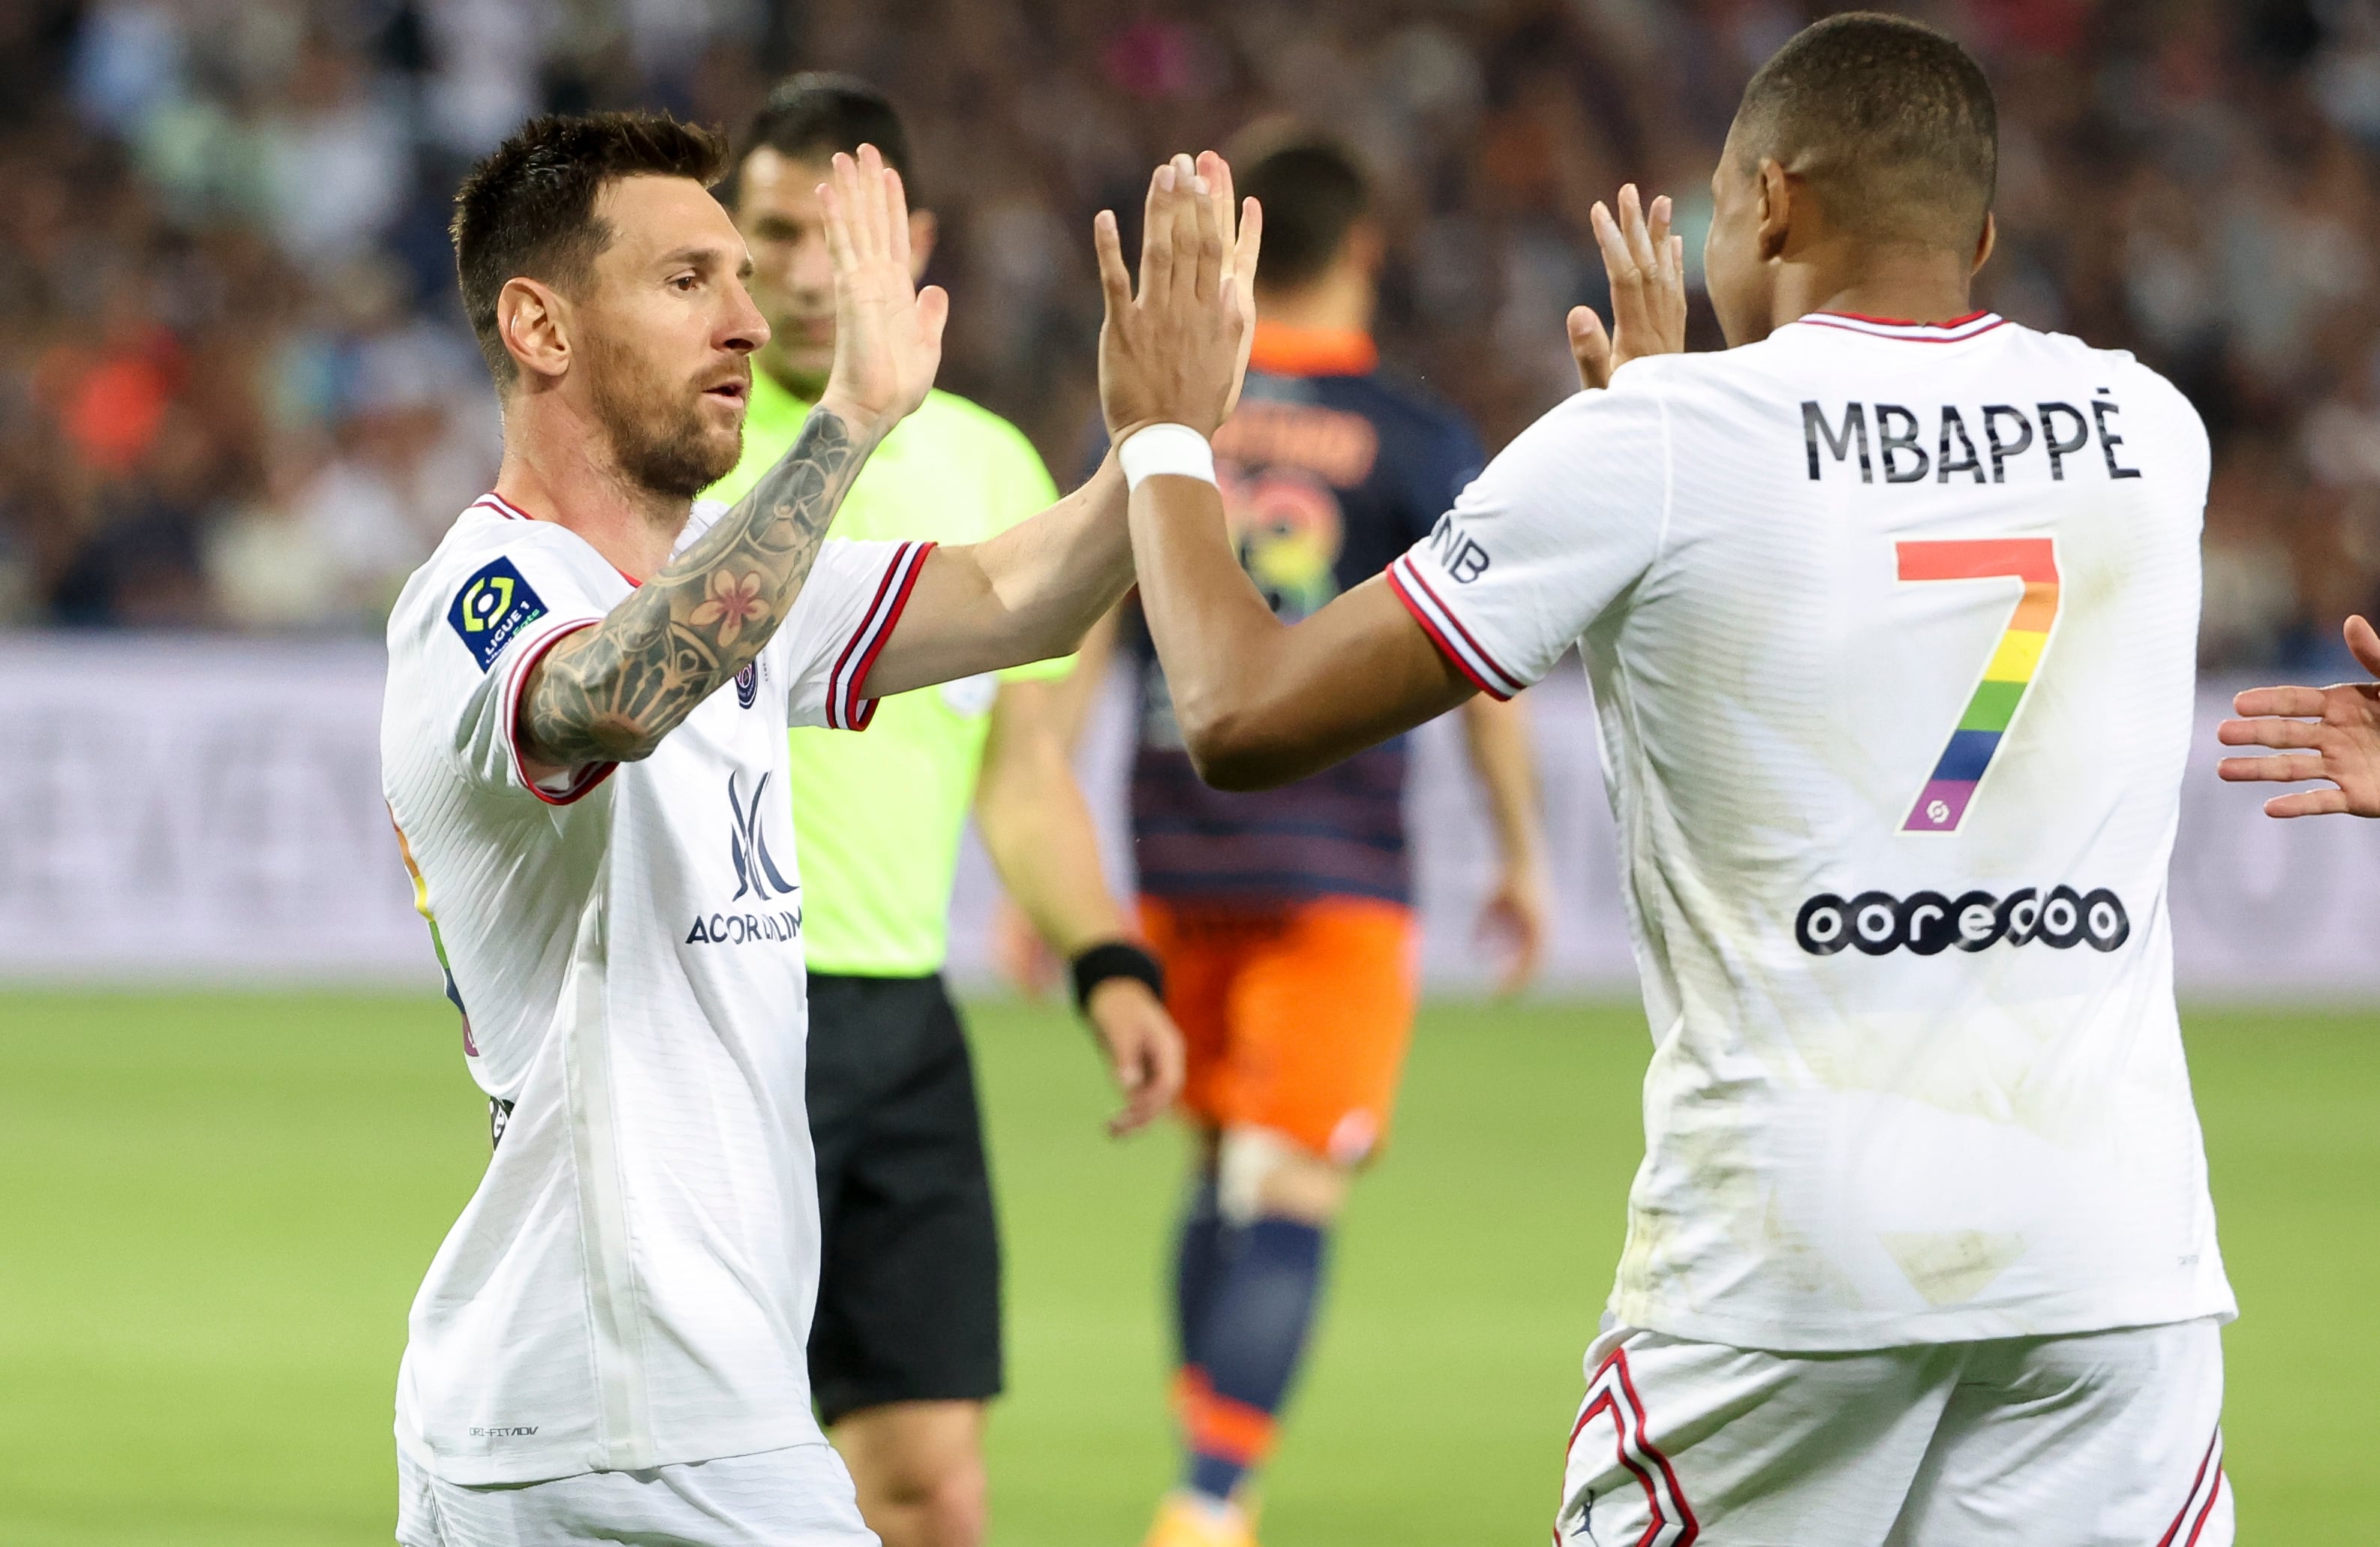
x: 659, y: 439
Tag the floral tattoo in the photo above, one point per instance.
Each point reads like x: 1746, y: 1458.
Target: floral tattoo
x: 734, y: 601
x: 609, y: 693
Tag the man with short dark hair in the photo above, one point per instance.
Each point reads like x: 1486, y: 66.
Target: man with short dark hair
x: 583, y: 745
x: 905, y: 1348
x: 1890, y: 611
x: 1284, y: 918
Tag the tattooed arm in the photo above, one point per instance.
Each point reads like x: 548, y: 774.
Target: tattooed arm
x: 609, y: 694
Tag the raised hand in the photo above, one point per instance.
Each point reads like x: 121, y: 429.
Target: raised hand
x: 888, y: 334
x: 1240, y: 263
x: 1647, y: 269
x: 1175, y: 351
x: 2329, y: 734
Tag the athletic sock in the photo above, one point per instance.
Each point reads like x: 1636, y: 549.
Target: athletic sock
x: 1197, y: 1270
x: 1248, y: 1345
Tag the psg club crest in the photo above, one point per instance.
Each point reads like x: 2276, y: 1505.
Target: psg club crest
x: 747, y: 685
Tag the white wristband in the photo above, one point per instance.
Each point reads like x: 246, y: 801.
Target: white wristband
x: 1174, y: 449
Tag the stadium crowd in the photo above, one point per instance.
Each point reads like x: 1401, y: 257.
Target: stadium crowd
x: 236, y: 391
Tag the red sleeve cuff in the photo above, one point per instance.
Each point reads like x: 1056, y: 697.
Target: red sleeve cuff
x: 1447, y: 633
x: 846, y: 708
x: 582, y: 780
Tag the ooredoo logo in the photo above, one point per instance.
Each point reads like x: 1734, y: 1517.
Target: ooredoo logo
x: 1878, y: 923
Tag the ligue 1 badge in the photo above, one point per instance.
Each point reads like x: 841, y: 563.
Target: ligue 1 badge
x: 491, y: 609
x: 748, y: 683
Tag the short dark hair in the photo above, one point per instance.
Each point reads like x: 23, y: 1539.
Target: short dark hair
x: 1313, y: 191
x: 1890, y: 123
x: 810, y: 117
x: 529, y: 208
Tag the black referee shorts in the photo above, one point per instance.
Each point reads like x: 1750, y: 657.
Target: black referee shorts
x: 908, y: 1305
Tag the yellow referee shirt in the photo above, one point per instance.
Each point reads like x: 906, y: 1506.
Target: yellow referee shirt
x: 876, y: 817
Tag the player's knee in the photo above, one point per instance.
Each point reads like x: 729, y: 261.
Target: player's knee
x: 920, y: 1473
x: 953, y: 1503
x: 1260, y: 1173
x: 932, y: 1498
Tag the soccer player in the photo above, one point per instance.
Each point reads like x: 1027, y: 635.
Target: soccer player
x: 584, y: 750
x: 906, y: 1346
x: 1889, y: 611
x: 2329, y: 734
x: 1284, y: 918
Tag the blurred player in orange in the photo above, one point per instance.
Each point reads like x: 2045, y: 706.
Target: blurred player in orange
x: 1284, y: 918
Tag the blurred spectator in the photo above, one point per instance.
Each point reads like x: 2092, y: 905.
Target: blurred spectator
x: 2251, y: 597
x: 234, y: 390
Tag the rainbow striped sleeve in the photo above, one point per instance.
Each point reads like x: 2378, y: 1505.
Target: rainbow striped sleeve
x: 1942, y: 802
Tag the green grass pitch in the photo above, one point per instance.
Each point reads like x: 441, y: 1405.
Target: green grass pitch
x: 216, y: 1207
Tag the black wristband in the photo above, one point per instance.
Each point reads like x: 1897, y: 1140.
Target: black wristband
x: 1114, y: 959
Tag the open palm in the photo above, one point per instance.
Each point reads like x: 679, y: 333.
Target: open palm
x: 2330, y: 733
x: 1646, y: 265
x: 888, y: 334
x: 1176, y: 350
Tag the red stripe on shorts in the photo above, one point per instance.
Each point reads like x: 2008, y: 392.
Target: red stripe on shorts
x: 1614, y: 1390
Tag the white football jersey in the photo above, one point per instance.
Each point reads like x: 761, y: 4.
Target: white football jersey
x: 1892, y: 632
x: 632, y: 1284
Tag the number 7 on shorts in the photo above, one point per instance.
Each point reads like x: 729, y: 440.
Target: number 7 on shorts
x: 1942, y: 804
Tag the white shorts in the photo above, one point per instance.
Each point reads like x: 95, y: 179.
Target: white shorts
x: 800, y: 1496
x: 2107, y: 1438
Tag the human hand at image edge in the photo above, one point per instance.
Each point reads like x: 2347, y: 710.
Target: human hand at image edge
x: 2339, y: 723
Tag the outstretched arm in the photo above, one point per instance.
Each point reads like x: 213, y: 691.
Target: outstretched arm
x: 610, y: 693
x: 1035, y: 590
x: 2337, y: 727
x: 1028, y: 594
x: 1261, y: 703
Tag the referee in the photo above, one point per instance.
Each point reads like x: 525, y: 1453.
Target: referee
x: 906, y: 1349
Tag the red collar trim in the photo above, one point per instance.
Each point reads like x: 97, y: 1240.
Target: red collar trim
x: 1903, y: 321
x: 1959, y: 329
x: 1281, y: 350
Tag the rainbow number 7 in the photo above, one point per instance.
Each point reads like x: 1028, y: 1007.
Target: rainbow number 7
x: 1942, y: 802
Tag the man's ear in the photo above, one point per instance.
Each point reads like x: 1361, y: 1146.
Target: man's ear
x: 1775, y: 213
x: 923, y: 229
x: 1983, y: 244
x: 534, y: 323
